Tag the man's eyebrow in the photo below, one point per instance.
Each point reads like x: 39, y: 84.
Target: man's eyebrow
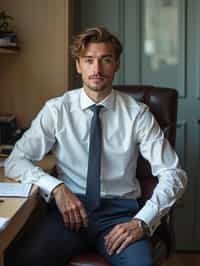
x: 87, y: 56
x: 90, y: 56
x: 108, y: 55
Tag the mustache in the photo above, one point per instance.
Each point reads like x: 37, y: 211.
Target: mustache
x: 99, y: 75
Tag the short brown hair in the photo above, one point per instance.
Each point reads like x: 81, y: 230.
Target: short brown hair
x: 94, y: 35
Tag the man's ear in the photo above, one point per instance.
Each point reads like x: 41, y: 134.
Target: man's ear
x: 78, y: 66
x: 117, y: 65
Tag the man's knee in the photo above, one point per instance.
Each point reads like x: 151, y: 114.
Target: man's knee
x: 131, y: 260
x: 136, y: 254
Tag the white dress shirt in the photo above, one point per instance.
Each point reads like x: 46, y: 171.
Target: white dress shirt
x: 63, y: 126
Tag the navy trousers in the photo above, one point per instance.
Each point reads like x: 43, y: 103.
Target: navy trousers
x: 50, y: 243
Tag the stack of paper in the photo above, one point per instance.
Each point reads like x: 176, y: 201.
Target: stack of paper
x: 14, y: 190
x: 3, y: 223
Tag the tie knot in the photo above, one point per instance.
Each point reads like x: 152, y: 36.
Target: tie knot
x: 96, y: 108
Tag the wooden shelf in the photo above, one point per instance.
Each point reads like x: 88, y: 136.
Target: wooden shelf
x: 9, y: 50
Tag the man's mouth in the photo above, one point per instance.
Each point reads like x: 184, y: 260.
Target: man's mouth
x: 97, y: 77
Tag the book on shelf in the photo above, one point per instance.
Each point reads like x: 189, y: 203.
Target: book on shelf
x: 8, y: 39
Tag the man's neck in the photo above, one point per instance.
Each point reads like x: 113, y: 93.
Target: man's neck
x: 97, y: 96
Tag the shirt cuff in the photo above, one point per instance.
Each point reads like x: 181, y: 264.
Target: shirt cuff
x: 47, y: 183
x: 149, y: 215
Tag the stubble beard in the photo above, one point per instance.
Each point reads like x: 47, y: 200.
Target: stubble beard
x: 96, y: 88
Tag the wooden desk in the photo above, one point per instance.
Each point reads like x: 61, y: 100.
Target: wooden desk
x: 18, y: 209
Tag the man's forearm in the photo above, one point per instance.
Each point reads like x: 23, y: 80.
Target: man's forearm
x: 23, y: 170
x: 169, y: 189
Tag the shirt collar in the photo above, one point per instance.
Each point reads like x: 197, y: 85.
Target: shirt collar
x: 86, y: 102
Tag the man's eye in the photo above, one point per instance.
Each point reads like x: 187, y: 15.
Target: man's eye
x: 107, y: 60
x: 88, y: 60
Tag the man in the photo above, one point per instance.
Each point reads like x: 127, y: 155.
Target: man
x: 93, y: 119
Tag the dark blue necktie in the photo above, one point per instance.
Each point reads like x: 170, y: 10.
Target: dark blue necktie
x: 94, y: 161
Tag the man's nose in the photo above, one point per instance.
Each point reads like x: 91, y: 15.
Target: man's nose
x: 97, y: 67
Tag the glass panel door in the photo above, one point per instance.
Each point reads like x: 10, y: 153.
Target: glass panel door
x: 163, y: 51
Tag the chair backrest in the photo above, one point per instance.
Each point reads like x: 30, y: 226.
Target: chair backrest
x: 163, y: 104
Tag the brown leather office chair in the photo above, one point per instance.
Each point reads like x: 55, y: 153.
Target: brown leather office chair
x: 163, y: 104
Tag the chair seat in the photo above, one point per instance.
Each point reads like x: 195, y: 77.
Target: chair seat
x: 88, y: 260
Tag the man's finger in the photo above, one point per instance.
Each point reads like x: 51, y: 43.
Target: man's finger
x: 110, y: 234
x: 65, y: 218
x: 124, y: 244
x: 71, y: 220
x: 116, y: 244
x: 112, y: 239
x: 115, y: 233
x: 77, y: 220
x: 84, y: 216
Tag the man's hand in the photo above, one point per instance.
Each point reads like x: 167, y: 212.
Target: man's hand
x: 122, y: 235
x: 70, y: 207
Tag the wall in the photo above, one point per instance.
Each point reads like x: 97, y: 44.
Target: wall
x: 40, y: 70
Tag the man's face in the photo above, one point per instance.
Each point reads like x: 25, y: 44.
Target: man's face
x: 97, y: 66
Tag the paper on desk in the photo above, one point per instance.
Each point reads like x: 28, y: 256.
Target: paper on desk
x: 14, y: 190
x: 3, y: 223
